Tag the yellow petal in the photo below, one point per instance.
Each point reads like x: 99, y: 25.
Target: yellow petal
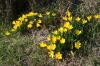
x: 42, y: 44
x: 58, y: 56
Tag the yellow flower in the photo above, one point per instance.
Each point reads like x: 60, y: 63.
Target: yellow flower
x: 65, y: 29
x: 89, y: 18
x: 32, y: 14
x: 26, y: 20
x: 15, y: 27
x: 84, y: 21
x: 42, y: 44
x: 77, y: 44
x: 78, y: 32
x: 58, y: 56
x: 97, y: 16
x: 51, y: 47
x: 47, y: 13
x: 35, y: 14
x: 54, y: 39
x: 14, y: 22
x: 29, y: 26
x: 65, y: 18
x: 38, y: 25
x: 39, y: 21
x: 68, y: 25
x: 21, y: 19
x: 60, y: 29
x: 70, y: 18
x: 18, y: 23
x: 62, y: 41
x: 53, y: 14
x: 24, y: 16
x: 55, y: 32
x: 30, y: 22
x: 40, y: 15
x: 78, y: 19
x: 51, y: 54
x: 13, y: 30
x: 7, y: 33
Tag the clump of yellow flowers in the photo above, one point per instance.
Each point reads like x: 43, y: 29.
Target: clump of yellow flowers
x: 66, y: 38
x: 26, y: 21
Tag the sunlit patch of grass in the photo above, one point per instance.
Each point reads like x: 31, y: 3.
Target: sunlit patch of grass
x: 20, y: 50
